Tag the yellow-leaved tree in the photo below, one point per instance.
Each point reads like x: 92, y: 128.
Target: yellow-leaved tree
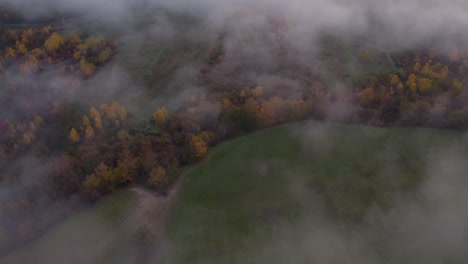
x: 10, y: 53
x: 257, y: 91
x: 74, y: 136
x: 75, y: 38
x: 158, y: 177
x: 367, y: 97
x: 198, y: 148
x: 96, y: 117
x: 160, y: 117
x: 105, y: 55
x: 21, y: 48
x: 54, y: 42
x: 89, y: 132
x: 86, y: 121
x: 87, y: 68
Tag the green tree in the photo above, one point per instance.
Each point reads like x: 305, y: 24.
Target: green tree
x: 105, y: 55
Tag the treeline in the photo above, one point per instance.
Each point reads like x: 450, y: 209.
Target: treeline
x: 40, y: 70
x: 35, y: 50
x: 109, y: 153
x: 431, y: 91
x: 48, y: 65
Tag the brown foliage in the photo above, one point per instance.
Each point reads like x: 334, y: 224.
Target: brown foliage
x: 54, y: 42
x: 197, y: 148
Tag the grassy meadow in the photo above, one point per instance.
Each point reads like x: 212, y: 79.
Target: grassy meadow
x: 277, y: 182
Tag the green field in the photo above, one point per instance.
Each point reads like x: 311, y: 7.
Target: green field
x: 284, y: 195
x: 269, y: 196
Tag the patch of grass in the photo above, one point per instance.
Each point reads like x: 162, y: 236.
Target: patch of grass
x: 113, y: 209
x: 258, y: 184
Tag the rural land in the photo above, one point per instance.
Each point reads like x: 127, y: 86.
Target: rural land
x: 231, y: 131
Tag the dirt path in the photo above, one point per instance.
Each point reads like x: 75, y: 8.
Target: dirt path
x: 153, y: 210
x: 150, y: 217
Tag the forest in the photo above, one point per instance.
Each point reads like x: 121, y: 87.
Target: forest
x: 83, y: 151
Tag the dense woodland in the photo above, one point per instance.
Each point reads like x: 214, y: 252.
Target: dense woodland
x: 86, y: 151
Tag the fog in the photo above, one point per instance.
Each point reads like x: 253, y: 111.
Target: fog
x: 387, y: 25
x: 404, y: 22
x: 428, y: 226
x: 425, y: 225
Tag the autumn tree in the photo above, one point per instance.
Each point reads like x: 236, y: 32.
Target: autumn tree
x: 91, y: 187
x: 412, y: 84
x: 425, y: 85
x: 157, y: 177
x: 114, y: 111
x: 94, y: 113
x: 457, y: 86
x: 298, y: 109
x: 21, y: 48
x: 89, y: 132
x: 10, y: 53
x: 38, y: 53
x: 258, y: 91
x: 54, y: 42
x: 93, y: 43
x: 396, y: 82
x: 29, y: 64
x: 27, y: 138
x: 123, y: 135
x: 104, y: 179
x: 74, y: 136
x: 367, y: 97
x: 267, y: 115
x: 87, y: 68
x: 105, y: 55
x: 147, y: 154
x: 197, y: 148
x: 46, y: 30
x: 160, y: 117
x: 128, y: 163
x: 96, y: 116
x: 75, y: 38
x: 209, y: 137
x: 279, y: 108
x: 252, y: 106
x: 366, y: 56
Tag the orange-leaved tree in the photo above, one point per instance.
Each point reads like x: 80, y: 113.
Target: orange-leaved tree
x: 198, y: 148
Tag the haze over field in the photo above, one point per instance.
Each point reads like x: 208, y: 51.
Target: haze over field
x: 188, y: 74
